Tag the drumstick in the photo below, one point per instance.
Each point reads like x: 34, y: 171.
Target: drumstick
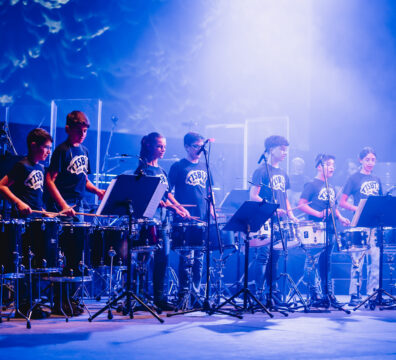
x: 196, y: 218
x: 71, y: 207
x: 188, y: 205
x: 297, y: 207
x: 60, y: 214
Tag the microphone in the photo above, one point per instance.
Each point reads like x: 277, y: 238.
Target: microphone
x: 262, y: 157
x: 319, y: 160
x: 202, y: 148
x: 114, y: 119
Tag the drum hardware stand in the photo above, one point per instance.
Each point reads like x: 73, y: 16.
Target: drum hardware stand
x: 190, y: 297
x: 37, y: 302
x: 377, y: 212
x: 141, y: 283
x: 356, y: 264
x: 206, y: 306
x: 310, y: 272
x: 248, y: 218
x: 121, y: 199
x: 173, y: 282
x: 15, y: 277
x: 82, y: 288
x: 271, y: 303
x: 217, y: 271
x: 329, y: 213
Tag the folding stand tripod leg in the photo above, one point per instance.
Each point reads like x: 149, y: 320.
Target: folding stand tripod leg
x: 293, y: 285
x: 247, y: 295
x: 378, y: 294
x: 128, y: 309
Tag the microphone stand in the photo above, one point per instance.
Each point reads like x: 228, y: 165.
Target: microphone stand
x: 329, y: 213
x: 271, y: 304
x: 206, y: 306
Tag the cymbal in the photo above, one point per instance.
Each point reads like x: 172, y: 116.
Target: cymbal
x: 122, y: 157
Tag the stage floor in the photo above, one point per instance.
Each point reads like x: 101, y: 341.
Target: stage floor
x: 364, y: 334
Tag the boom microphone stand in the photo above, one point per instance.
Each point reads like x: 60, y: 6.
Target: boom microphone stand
x: 329, y: 213
x: 206, y: 306
x: 271, y: 303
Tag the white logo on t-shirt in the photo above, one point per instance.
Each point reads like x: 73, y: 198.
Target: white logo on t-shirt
x: 323, y: 195
x: 35, y: 180
x: 369, y: 188
x: 78, y: 165
x: 278, y: 183
x: 197, y: 178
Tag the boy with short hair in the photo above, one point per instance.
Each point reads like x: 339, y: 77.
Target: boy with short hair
x: 23, y: 185
x: 67, y: 177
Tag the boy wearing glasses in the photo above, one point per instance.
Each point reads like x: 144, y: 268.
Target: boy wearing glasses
x: 189, y: 179
x: 23, y: 185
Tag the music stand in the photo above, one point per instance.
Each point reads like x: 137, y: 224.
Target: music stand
x: 376, y: 212
x: 136, y: 196
x: 250, y: 217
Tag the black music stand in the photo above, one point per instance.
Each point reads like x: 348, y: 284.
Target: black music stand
x: 250, y: 217
x: 136, y: 196
x: 377, y: 212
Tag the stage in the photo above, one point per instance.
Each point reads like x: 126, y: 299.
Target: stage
x: 364, y: 334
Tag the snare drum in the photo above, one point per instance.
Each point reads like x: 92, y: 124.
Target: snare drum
x: 188, y: 235
x: 11, y: 246
x: 227, y: 238
x: 75, y: 243
x: 149, y: 235
x: 354, y: 239
x: 41, y: 238
x: 261, y: 237
x: 105, y: 238
x: 312, y: 234
x: 290, y: 235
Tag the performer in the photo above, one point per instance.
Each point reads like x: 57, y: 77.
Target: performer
x: 359, y: 186
x: 276, y: 147
x: 314, y: 201
x: 23, y: 185
x: 189, y: 178
x: 153, y: 147
x: 67, y: 177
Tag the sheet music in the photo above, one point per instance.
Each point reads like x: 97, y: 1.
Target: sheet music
x: 358, y: 212
x: 106, y: 196
x: 155, y: 199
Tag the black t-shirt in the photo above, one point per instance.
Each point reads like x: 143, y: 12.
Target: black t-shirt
x: 72, y: 165
x: 361, y: 186
x: 190, y: 181
x: 315, y: 192
x: 28, y: 184
x: 279, y: 182
x: 155, y: 171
